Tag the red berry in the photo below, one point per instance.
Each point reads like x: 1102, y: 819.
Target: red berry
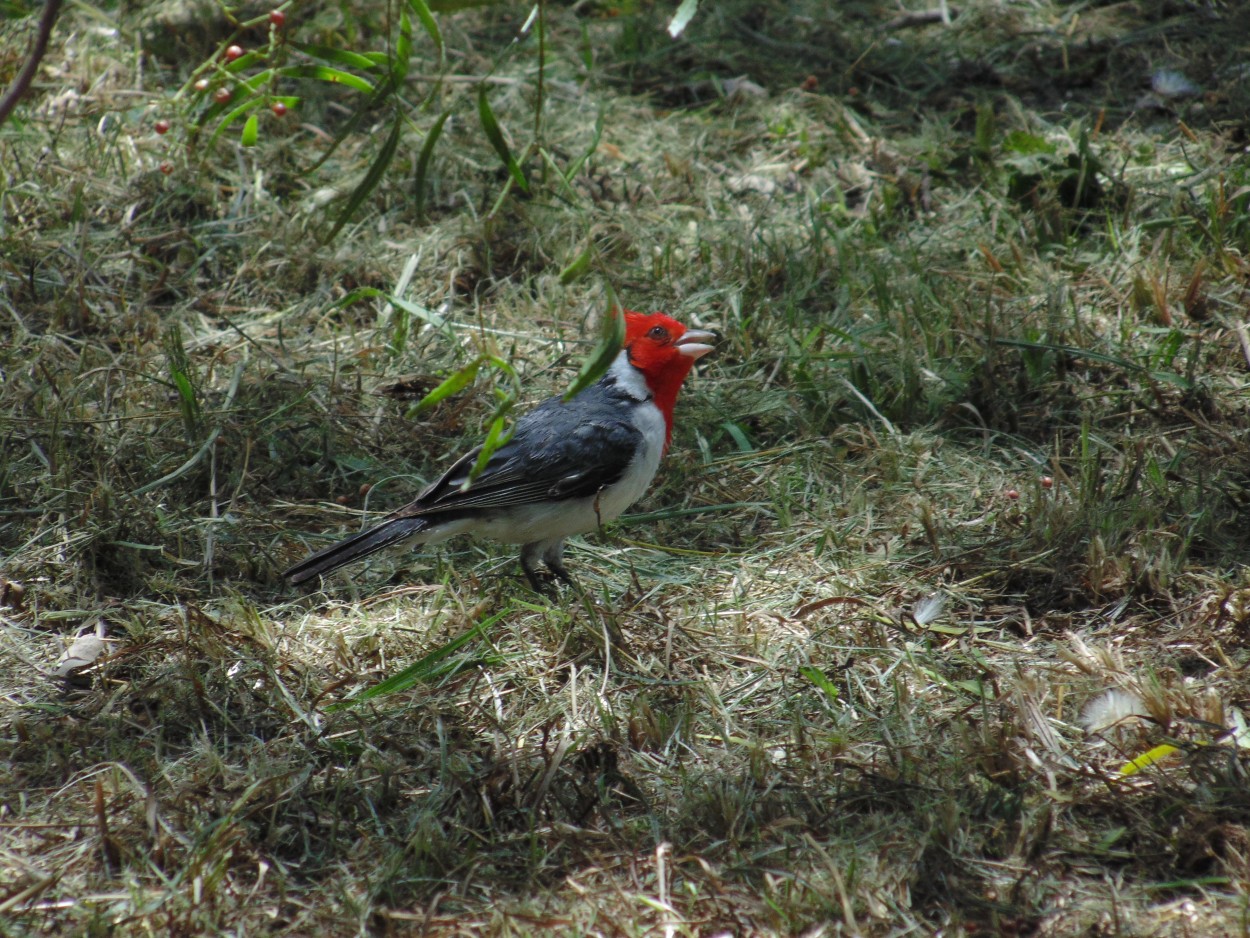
x: 201, y: 85
x: 1047, y: 482
x: 1012, y: 494
x: 277, y: 19
x: 161, y: 126
x: 233, y: 53
x: 222, y: 95
x: 167, y: 168
x: 279, y: 109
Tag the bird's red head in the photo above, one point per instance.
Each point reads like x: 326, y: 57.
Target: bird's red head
x: 664, y: 351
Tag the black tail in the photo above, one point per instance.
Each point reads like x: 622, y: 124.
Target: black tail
x: 353, y: 548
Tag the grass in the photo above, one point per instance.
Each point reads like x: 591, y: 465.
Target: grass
x: 949, y: 543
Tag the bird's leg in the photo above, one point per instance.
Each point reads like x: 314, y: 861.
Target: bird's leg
x: 553, y: 557
x: 530, y: 555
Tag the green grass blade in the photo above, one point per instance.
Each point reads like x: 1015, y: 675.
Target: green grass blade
x: 424, y: 669
x: 577, y: 164
x: 349, y: 60
x: 494, y: 133
x: 423, y: 161
x: 246, y: 107
x: 403, y: 50
x: 578, y: 265
x: 376, y: 171
x: 598, y: 362
x: 452, y: 385
x: 420, y: 312
x: 819, y: 679
x: 1167, y: 377
x: 497, y: 437
x: 431, y: 26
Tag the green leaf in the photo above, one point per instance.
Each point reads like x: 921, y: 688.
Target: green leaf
x: 453, y: 385
x: 820, y: 680
x: 1027, y: 144
x: 354, y: 60
x: 403, y: 50
x: 334, y: 76
x: 243, y: 62
x: 681, y: 19
x: 400, y: 321
x: 250, y: 104
x: 598, y: 362
x: 574, y: 169
x: 495, y: 135
x: 430, y: 24
x: 376, y: 171
x: 578, y: 265
x: 251, y: 85
x: 739, y: 436
x: 423, y: 160
x: 499, y: 435
x: 424, y: 669
x: 180, y: 374
x: 251, y: 130
x: 420, y: 312
x: 1167, y: 377
x: 570, y: 195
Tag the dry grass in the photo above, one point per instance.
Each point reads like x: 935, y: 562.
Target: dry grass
x: 952, y: 529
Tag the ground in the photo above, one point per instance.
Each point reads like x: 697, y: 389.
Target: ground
x: 936, y: 619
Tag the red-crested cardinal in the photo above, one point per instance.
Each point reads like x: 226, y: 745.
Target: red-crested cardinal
x: 569, y: 467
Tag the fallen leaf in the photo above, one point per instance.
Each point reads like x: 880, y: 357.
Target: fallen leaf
x: 81, y: 654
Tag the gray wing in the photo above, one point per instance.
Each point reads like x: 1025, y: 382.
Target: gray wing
x: 558, y: 451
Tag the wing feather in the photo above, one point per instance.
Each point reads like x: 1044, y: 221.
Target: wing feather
x: 560, y: 450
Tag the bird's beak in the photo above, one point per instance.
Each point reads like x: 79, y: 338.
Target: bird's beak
x: 694, y: 343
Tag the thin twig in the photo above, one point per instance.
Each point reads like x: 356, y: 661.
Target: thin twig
x: 21, y: 84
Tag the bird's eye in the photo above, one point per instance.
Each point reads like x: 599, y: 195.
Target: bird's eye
x: 658, y: 333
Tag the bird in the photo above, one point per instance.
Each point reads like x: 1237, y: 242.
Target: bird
x: 569, y: 466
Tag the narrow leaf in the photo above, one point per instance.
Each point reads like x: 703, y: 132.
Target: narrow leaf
x: 819, y: 678
x: 568, y: 193
x: 371, y: 180
x: 430, y: 24
x: 420, y: 312
x: 574, y: 169
x: 247, y: 106
x: 739, y: 436
x: 424, y: 668
x: 335, y: 76
x: 342, y: 57
x: 499, y: 435
x: 453, y: 385
x: 423, y: 160
x: 403, y: 50
x: 243, y: 62
x: 400, y: 321
x: 578, y: 265
x: 598, y: 362
x: 495, y: 135
x: 1165, y: 376
x: 251, y: 130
